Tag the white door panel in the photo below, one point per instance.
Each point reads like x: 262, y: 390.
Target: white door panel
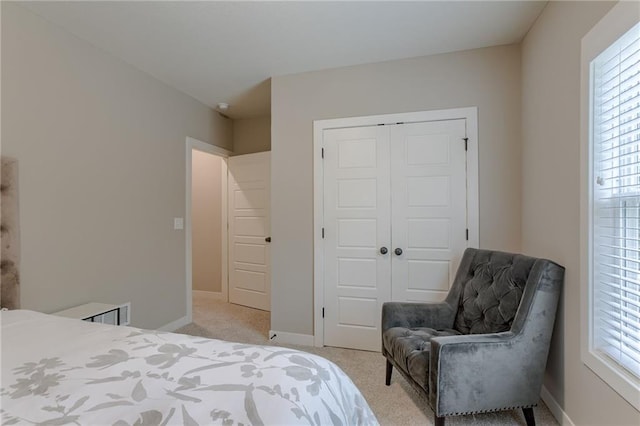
x: 394, y: 186
x: 251, y: 253
x: 249, y: 225
x: 357, y: 214
x: 429, y: 215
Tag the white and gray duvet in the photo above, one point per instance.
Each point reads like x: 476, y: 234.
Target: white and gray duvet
x: 57, y: 371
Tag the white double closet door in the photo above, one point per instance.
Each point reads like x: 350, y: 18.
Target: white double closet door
x: 395, y: 219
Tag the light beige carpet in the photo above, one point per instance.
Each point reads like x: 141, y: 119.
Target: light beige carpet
x: 397, y: 404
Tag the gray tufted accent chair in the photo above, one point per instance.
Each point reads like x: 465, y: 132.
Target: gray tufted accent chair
x: 485, y: 347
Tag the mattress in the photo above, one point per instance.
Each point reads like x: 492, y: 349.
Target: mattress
x: 57, y: 370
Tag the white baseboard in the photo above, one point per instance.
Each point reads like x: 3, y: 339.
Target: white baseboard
x: 209, y: 295
x: 174, y: 325
x: 555, y: 408
x: 290, y: 338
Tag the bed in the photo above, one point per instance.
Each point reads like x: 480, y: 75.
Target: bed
x: 57, y: 370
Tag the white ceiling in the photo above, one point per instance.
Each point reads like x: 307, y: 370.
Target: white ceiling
x: 227, y: 51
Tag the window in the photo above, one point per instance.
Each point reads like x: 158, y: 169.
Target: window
x: 613, y: 334
x: 616, y: 201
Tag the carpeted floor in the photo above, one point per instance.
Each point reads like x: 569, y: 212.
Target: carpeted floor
x: 397, y: 404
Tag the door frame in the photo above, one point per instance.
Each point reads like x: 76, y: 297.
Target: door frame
x: 191, y: 144
x: 470, y: 114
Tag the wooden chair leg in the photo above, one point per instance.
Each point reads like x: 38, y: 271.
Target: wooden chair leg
x: 528, y: 416
x: 389, y: 370
x: 439, y: 421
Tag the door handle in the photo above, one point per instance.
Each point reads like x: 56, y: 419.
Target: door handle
x: 398, y: 251
x: 268, y: 239
x: 383, y: 250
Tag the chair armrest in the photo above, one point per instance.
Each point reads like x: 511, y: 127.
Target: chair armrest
x: 412, y: 315
x: 484, y: 372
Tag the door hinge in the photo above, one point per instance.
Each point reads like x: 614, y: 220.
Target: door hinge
x: 466, y: 143
x: 322, y: 232
x: 322, y: 152
x: 467, y: 234
x: 322, y: 312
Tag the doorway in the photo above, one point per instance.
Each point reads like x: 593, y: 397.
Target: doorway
x: 227, y: 234
x: 207, y: 243
x: 206, y: 234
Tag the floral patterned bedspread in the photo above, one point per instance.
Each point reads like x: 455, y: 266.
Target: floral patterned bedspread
x: 58, y: 371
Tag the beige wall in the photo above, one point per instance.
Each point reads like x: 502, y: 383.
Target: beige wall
x: 206, y: 221
x: 486, y: 78
x: 551, y: 197
x: 101, y: 152
x: 251, y: 135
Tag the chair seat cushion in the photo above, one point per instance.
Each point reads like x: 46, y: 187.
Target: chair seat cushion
x: 410, y: 349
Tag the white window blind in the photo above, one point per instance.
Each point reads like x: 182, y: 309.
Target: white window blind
x: 615, y: 135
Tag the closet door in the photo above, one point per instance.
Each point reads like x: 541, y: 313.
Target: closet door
x: 394, y: 219
x: 429, y: 214
x: 357, y: 216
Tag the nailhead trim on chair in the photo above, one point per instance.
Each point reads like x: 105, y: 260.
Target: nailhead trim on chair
x: 422, y: 394
x: 466, y: 413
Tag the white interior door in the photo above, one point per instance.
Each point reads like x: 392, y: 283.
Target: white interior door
x: 429, y: 214
x: 401, y: 187
x: 357, y: 214
x: 249, y: 227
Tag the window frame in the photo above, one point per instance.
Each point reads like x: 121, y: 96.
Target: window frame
x: 619, y: 20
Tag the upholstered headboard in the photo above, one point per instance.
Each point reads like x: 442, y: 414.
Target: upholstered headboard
x: 9, y: 235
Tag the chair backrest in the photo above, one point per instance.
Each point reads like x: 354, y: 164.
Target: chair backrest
x: 489, y: 288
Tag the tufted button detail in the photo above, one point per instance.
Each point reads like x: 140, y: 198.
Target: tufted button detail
x: 491, y: 295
